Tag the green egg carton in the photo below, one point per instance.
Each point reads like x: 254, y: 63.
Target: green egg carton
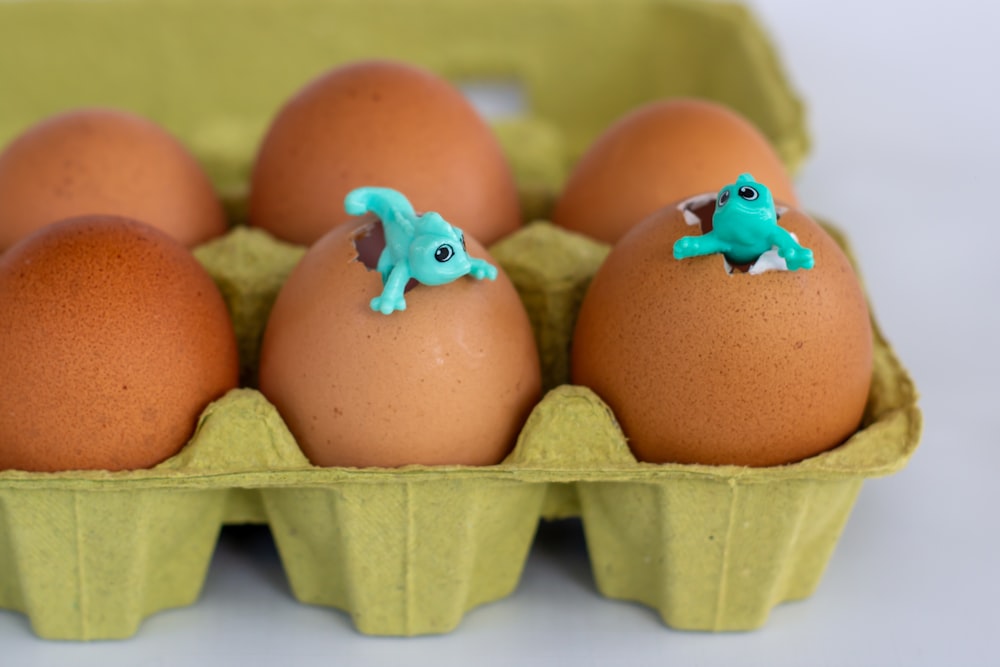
x: 408, y: 551
x: 89, y: 555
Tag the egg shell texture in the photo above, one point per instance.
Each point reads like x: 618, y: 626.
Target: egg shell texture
x: 380, y: 123
x: 450, y: 380
x: 700, y: 366
x: 105, y: 161
x: 112, y: 340
x: 661, y: 153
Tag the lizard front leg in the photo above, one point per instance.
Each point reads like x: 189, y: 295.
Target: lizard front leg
x: 392, y: 298
x: 384, y: 265
x: 480, y: 269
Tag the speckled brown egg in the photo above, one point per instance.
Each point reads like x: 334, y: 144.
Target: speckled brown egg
x: 387, y: 124
x: 660, y: 153
x: 112, y: 340
x: 449, y: 380
x: 105, y: 162
x: 703, y: 366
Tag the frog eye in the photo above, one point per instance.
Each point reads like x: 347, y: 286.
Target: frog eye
x: 443, y: 253
x: 723, y: 198
x: 748, y: 193
x: 462, y: 236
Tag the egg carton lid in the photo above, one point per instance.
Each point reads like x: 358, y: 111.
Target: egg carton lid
x: 208, y: 72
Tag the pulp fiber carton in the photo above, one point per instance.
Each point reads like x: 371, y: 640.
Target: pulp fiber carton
x: 408, y: 551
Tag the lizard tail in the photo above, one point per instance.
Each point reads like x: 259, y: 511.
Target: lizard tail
x: 388, y: 204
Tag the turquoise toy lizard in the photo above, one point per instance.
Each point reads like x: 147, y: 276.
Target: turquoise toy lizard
x: 423, y: 247
x: 745, y: 226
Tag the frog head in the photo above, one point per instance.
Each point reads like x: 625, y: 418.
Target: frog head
x: 745, y: 206
x: 437, y: 253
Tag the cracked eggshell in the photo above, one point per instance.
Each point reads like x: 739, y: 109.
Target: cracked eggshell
x: 701, y: 366
x: 98, y: 161
x: 113, y: 339
x: 450, y: 380
x: 386, y: 124
x: 661, y: 153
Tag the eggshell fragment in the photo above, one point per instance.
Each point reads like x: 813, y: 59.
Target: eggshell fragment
x: 661, y: 153
x: 449, y: 380
x: 112, y: 341
x: 386, y: 124
x: 105, y: 162
x: 703, y: 366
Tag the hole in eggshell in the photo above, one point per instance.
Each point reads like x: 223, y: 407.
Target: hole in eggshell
x: 369, y: 241
x: 698, y: 210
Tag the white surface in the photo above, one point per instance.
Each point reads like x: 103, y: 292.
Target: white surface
x: 903, y: 99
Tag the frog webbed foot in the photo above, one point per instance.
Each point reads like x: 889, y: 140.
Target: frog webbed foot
x: 686, y: 246
x: 797, y: 257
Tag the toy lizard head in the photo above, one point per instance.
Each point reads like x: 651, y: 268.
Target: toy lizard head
x: 437, y: 253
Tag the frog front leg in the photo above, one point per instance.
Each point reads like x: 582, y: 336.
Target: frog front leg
x: 796, y: 256
x: 480, y: 269
x: 696, y: 246
x: 392, y: 298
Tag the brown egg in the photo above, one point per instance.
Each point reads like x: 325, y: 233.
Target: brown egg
x: 449, y: 380
x: 104, y: 161
x: 661, y: 153
x: 112, y: 340
x: 701, y: 366
x: 385, y: 124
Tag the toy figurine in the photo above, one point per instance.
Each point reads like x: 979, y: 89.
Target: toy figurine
x: 744, y: 227
x: 423, y: 247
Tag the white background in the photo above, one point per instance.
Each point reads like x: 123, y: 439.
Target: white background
x: 903, y: 101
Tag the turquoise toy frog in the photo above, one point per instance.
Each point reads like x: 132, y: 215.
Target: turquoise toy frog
x: 744, y: 227
x: 424, y: 247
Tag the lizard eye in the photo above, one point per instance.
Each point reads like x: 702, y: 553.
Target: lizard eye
x: 748, y: 193
x: 444, y: 253
x: 723, y: 198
